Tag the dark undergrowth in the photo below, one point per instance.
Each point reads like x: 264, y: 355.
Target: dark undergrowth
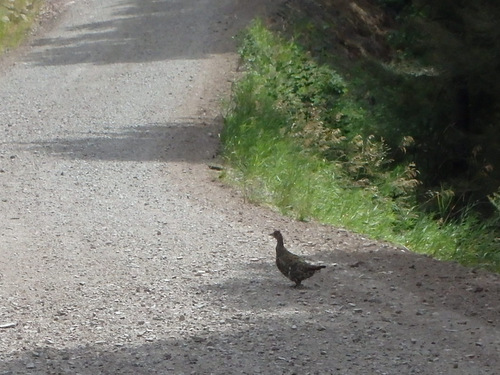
x: 300, y: 137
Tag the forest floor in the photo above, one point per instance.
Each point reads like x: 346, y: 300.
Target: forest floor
x: 123, y: 253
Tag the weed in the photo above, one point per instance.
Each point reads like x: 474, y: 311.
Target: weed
x: 298, y: 141
x: 16, y: 17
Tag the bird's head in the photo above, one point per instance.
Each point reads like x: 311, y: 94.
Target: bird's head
x: 276, y: 234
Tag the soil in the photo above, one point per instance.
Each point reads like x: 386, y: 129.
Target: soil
x: 122, y: 252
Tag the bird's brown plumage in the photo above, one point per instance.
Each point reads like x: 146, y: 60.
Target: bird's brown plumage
x: 292, y: 266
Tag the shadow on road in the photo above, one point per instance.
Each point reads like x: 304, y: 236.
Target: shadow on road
x: 349, y: 320
x: 233, y: 352
x: 152, y: 142
x: 144, y: 31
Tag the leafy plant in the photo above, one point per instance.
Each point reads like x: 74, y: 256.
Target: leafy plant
x: 298, y: 140
x: 16, y: 17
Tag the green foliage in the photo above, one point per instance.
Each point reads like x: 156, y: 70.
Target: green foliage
x: 313, y: 102
x: 449, y: 93
x: 16, y: 17
x: 435, y: 80
x: 286, y: 133
x: 395, y: 5
x: 295, y: 80
x: 294, y: 133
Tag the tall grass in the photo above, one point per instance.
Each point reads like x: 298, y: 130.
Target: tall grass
x: 293, y: 137
x: 16, y: 18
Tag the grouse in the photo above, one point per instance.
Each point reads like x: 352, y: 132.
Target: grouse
x: 292, y: 266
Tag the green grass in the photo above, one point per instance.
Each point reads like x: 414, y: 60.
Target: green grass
x: 294, y: 138
x: 16, y: 18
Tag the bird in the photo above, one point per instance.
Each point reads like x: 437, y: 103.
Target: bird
x: 292, y: 266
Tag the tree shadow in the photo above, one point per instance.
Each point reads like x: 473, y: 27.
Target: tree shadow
x: 180, y: 141
x: 363, y: 277
x: 145, y: 31
x: 378, y: 298
x: 251, y: 349
x: 336, y: 325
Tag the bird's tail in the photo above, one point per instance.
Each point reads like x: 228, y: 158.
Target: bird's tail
x: 316, y: 268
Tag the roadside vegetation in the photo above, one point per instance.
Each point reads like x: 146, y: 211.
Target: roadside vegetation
x: 328, y: 134
x: 16, y: 18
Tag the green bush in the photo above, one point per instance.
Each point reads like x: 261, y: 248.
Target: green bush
x: 293, y: 134
x: 16, y: 17
x: 291, y: 131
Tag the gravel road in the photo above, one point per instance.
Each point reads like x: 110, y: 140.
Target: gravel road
x: 122, y: 253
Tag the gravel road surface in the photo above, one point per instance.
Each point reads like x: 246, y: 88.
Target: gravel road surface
x: 122, y: 253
